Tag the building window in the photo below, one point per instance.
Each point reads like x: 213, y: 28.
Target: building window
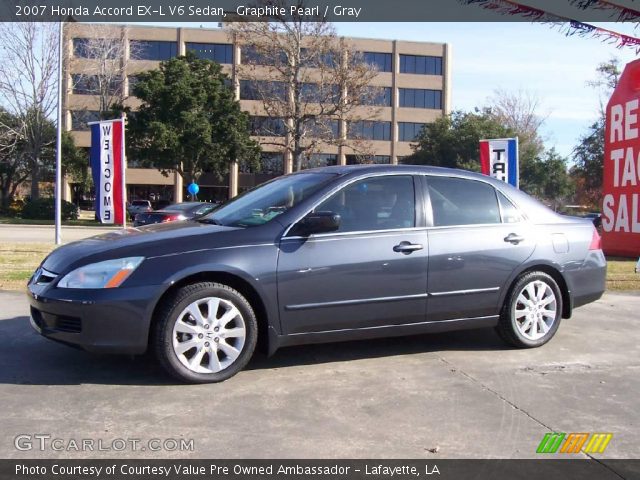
x: 315, y: 93
x: 257, y: 90
x: 408, y: 131
x: 368, y: 130
x: 320, y: 160
x: 82, y: 48
x: 321, y: 127
x: 376, y: 96
x: 267, y: 126
x: 251, y: 56
x: 153, y: 50
x: 80, y: 118
x: 218, y: 52
x: 380, y: 61
x: 368, y: 159
x: 90, y: 85
x: 133, y: 80
x: 420, y: 98
x: 421, y: 65
x: 270, y: 164
x: 312, y: 59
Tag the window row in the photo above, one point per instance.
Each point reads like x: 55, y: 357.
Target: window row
x: 275, y: 127
x: 315, y: 93
x: 420, y: 98
x: 223, y: 53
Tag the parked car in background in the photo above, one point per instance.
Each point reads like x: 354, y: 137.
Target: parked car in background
x: 138, y: 206
x: 327, y: 254
x: 581, y: 211
x: 177, y: 211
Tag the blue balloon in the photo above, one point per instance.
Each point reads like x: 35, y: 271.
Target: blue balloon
x: 193, y: 188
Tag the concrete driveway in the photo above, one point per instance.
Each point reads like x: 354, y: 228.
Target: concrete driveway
x: 46, y: 233
x: 454, y: 395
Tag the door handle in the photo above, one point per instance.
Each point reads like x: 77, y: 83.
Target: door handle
x: 514, y: 238
x: 407, y: 247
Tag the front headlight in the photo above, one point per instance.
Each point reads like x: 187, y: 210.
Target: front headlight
x: 108, y: 274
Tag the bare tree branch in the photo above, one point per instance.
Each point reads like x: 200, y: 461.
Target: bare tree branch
x: 303, y: 74
x: 28, y: 83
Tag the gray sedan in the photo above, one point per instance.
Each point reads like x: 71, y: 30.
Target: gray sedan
x: 323, y: 255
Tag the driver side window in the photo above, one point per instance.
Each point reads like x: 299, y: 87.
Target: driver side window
x: 377, y: 203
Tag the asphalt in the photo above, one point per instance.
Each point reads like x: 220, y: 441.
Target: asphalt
x: 46, y: 233
x: 454, y: 395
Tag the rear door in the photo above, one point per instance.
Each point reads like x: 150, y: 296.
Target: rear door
x: 370, y: 273
x: 477, y: 240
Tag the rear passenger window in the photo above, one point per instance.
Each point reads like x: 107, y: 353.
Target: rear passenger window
x: 458, y: 201
x: 510, y: 213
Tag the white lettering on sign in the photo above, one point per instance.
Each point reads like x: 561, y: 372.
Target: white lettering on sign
x: 106, y: 182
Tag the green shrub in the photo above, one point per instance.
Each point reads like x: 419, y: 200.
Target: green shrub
x: 44, y: 209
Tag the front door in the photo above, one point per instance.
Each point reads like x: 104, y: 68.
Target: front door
x: 370, y: 273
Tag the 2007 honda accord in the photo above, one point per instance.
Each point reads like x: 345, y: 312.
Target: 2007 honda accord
x: 327, y: 254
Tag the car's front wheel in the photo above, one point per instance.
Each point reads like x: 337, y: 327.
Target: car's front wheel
x: 206, y: 332
x: 532, y: 312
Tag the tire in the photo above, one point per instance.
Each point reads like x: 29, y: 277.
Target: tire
x: 532, y: 311
x: 196, y: 347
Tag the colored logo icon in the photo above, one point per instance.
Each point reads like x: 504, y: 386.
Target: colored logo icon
x: 574, y: 443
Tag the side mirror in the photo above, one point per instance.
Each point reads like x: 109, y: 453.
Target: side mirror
x: 317, y: 222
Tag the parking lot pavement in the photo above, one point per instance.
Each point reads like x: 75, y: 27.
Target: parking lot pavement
x: 460, y: 394
x: 46, y: 233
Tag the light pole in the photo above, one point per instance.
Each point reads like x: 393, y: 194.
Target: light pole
x: 59, y: 139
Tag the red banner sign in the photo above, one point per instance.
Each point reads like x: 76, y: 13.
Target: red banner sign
x: 621, y: 182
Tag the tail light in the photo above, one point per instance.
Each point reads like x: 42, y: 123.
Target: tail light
x: 596, y: 241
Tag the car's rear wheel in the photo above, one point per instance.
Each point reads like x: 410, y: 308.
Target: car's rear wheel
x: 206, y: 332
x: 532, y: 312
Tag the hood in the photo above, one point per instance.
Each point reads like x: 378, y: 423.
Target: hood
x: 148, y: 241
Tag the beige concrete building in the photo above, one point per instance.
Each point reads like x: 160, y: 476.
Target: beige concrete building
x: 415, y: 78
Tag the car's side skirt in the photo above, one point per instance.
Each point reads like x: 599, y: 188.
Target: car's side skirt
x: 277, y: 341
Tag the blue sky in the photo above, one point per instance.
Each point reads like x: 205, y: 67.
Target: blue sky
x: 535, y: 58
x: 513, y: 56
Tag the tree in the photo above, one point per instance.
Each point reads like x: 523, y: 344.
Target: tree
x: 588, y: 154
x: 102, y: 52
x: 453, y: 140
x: 316, y: 82
x: 188, y: 121
x: 75, y: 163
x: 14, y: 166
x: 546, y: 177
x: 28, y: 62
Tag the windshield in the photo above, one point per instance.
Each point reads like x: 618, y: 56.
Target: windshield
x: 264, y: 203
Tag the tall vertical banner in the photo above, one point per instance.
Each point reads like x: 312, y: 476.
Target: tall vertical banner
x: 621, y: 174
x: 499, y: 159
x: 107, y: 167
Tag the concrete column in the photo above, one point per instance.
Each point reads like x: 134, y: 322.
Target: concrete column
x: 394, y: 101
x: 178, y: 187
x: 233, y: 179
x: 446, y: 80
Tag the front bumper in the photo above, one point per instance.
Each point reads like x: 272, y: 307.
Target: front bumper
x: 113, y: 320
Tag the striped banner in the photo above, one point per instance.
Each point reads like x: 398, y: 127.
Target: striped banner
x: 499, y: 159
x: 107, y: 167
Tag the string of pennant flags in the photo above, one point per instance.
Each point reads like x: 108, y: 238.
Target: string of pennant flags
x: 567, y: 25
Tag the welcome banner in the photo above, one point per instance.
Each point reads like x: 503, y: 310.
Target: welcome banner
x: 499, y: 159
x: 107, y: 167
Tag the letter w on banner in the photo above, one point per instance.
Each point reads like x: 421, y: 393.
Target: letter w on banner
x: 499, y: 159
x: 107, y: 167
